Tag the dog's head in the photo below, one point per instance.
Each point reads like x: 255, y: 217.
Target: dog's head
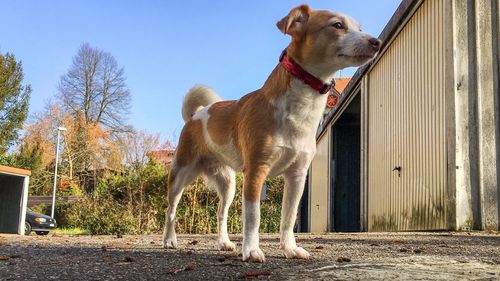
x: 324, y: 41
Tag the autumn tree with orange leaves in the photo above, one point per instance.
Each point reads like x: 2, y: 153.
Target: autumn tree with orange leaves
x: 93, y: 105
x: 85, y: 147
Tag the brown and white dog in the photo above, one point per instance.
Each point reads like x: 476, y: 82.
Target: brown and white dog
x: 268, y: 132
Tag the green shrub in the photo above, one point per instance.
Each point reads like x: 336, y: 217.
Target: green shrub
x: 67, y: 214
x: 101, y: 217
x: 97, y: 216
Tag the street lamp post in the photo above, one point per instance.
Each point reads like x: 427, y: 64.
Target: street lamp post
x: 55, y: 172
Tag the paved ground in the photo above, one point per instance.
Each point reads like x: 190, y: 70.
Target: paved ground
x: 361, y: 256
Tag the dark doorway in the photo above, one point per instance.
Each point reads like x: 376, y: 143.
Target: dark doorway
x: 302, y: 224
x: 345, y: 173
x: 11, y: 192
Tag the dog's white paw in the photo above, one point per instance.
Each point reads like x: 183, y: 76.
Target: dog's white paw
x: 297, y: 253
x: 170, y: 243
x: 227, y: 246
x: 254, y: 255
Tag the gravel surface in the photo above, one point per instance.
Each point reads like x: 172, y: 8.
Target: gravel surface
x: 360, y: 256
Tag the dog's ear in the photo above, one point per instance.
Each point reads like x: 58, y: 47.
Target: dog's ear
x: 296, y: 20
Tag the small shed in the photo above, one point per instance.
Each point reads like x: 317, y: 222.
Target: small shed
x: 13, y: 199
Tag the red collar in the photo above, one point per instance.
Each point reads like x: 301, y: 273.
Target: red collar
x: 298, y: 72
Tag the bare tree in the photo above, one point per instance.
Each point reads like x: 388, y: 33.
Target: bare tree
x: 135, y: 147
x: 95, y: 85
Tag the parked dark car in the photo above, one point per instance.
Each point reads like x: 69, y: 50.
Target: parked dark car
x: 40, y: 224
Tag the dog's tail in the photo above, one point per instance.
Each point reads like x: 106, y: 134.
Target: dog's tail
x: 197, y: 98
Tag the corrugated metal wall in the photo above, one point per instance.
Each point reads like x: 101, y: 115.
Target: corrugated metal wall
x: 406, y: 119
x: 319, y: 186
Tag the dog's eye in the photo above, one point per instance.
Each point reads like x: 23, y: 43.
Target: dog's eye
x: 338, y: 25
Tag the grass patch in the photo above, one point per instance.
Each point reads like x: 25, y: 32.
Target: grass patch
x: 70, y: 231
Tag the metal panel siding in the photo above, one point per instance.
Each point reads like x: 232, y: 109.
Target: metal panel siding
x: 319, y: 186
x: 406, y: 128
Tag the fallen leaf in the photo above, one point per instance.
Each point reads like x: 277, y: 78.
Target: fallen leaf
x: 343, y: 259
x: 189, y: 266
x: 128, y: 259
x: 175, y: 271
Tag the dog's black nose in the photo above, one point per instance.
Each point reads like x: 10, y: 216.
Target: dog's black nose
x: 375, y: 43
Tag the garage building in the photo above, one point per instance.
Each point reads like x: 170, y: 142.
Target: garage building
x: 414, y: 143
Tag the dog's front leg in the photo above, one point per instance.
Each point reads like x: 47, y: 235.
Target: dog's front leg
x: 254, y: 178
x: 294, y: 186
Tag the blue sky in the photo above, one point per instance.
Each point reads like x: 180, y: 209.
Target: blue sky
x: 164, y: 46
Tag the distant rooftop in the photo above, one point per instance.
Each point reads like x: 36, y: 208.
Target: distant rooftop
x: 341, y: 83
x: 164, y: 156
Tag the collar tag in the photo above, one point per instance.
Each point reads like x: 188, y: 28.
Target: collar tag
x: 333, y: 95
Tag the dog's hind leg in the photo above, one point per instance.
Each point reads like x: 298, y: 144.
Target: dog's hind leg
x: 225, y: 181
x: 178, y: 179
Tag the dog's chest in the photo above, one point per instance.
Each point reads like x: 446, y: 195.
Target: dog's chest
x: 297, y: 118
x: 297, y: 115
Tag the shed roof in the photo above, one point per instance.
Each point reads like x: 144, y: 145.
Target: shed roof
x: 14, y: 171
